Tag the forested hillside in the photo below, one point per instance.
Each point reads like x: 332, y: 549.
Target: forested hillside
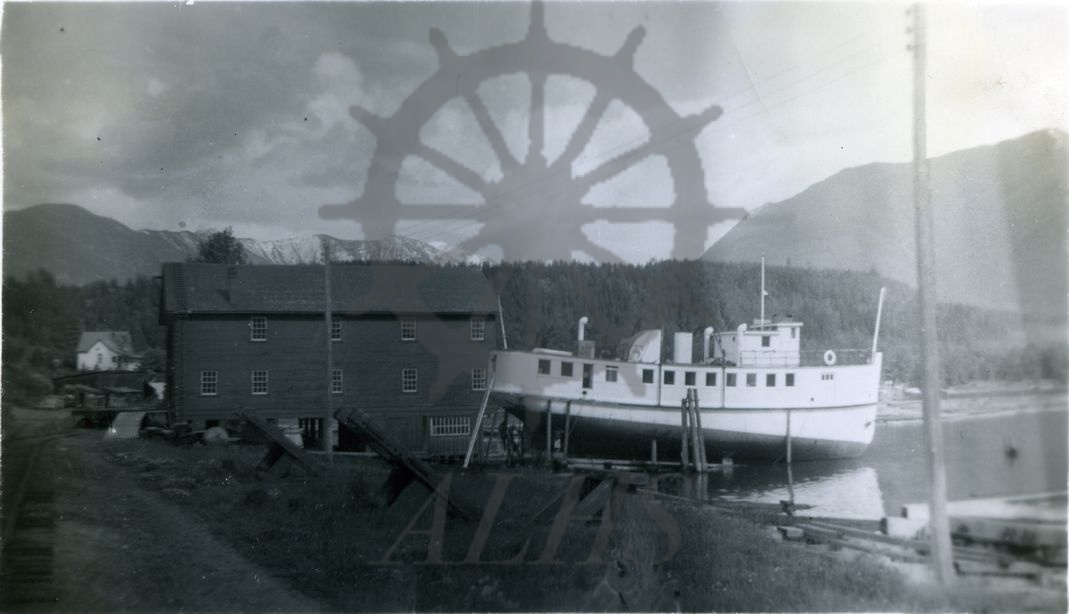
x: 541, y: 304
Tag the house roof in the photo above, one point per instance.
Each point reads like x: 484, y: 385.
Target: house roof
x: 355, y: 288
x: 118, y: 341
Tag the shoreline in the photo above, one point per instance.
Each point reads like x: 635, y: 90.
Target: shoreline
x: 319, y: 544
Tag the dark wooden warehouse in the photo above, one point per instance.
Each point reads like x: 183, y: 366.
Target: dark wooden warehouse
x: 409, y: 344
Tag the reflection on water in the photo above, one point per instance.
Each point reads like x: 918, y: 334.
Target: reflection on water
x: 850, y: 493
x: 986, y: 455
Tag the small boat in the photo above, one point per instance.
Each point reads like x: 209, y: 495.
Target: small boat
x: 756, y: 391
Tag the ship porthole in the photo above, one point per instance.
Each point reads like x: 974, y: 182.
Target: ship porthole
x: 829, y: 358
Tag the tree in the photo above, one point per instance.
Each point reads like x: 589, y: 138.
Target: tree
x: 220, y: 248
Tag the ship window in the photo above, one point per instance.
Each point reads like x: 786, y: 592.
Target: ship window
x: 647, y: 376
x: 335, y: 330
x: 336, y: 386
x: 669, y: 378
x: 731, y: 379
x: 766, y: 341
x: 688, y: 378
x: 789, y: 379
x: 827, y: 376
x: 710, y: 378
x: 751, y: 380
x: 611, y: 374
x: 566, y: 369
x: 543, y: 367
x: 770, y: 380
x: 793, y: 332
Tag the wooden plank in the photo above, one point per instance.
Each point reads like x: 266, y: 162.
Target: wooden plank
x: 595, y: 500
x: 277, y: 438
x: 403, y: 460
x: 1009, y: 532
x: 920, y: 546
x: 478, y: 430
x: 1049, y: 506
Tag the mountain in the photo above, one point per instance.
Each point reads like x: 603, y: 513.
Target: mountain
x: 999, y: 225
x: 79, y: 247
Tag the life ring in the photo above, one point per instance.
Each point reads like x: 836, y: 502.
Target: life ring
x: 829, y: 357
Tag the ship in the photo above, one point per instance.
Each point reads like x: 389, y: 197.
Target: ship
x: 759, y: 395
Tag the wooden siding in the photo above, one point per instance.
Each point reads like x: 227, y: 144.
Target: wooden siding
x: 370, y: 354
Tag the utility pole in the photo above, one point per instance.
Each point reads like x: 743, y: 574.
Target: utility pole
x: 939, y: 526
x: 328, y: 416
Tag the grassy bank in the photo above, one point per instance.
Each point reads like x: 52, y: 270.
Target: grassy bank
x: 332, y: 539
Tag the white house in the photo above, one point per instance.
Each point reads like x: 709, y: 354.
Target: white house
x: 107, y: 350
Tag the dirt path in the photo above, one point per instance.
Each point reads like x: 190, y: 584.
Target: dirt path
x: 120, y: 547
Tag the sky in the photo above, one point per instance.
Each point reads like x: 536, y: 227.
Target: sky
x: 662, y: 122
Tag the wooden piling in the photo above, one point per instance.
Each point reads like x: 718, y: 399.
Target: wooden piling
x: 703, y: 459
x: 788, y: 436
x: 684, y: 427
x: 549, y: 433
x: 567, y: 427
x: 653, y: 451
x: 695, y: 434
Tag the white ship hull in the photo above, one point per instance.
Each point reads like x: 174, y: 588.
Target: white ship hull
x: 828, y: 412
x: 621, y: 431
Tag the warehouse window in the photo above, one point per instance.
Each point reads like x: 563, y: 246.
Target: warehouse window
x: 710, y: 378
x: 669, y: 378
x: 789, y: 379
x: 612, y: 374
x: 259, y: 382
x: 409, y: 378
x: 751, y: 380
x: 478, y: 328
x: 647, y: 376
x: 336, y: 382
x: 408, y: 329
x: 209, y: 383
x: 450, y: 426
x: 543, y: 367
x: 765, y: 341
x: 478, y: 378
x: 566, y: 369
x: 258, y: 329
x: 770, y: 380
x: 688, y: 378
x: 731, y: 380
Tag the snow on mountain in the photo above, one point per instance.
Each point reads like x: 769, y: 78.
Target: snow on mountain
x: 79, y: 247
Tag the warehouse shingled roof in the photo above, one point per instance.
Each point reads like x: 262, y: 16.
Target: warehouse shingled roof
x: 356, y: 288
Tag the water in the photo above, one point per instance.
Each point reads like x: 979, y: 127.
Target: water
x: 977, y: 434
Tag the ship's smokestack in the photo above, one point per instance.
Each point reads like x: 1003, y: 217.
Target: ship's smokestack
x: 582, y: 327
x: 706, y: 335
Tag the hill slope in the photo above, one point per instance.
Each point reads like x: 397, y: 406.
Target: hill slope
x: 999, y: 215
x: 79, y: 247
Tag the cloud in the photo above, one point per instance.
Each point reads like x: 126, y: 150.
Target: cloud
x: 238, y: 114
